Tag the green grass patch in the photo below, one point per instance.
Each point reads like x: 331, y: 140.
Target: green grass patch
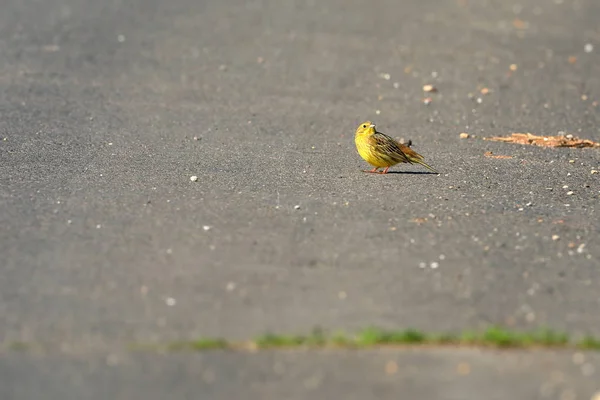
x: 500, y: 337
x: 272, y: 340
x: 200, y: 344
x: 20, y: 346
x: 372, y: 337
x: 589, y: 343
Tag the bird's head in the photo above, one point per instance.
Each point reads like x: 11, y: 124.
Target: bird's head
x: 366, y: 128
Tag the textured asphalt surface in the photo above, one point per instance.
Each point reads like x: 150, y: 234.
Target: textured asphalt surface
x: 442, y: 374
x: 105, y: 241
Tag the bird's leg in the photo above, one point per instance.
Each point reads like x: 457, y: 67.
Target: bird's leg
x: 372, y: 171
x: 385, y: 170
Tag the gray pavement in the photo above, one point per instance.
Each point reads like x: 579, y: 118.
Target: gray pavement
x: 105, y: 241
x: 461, y: 374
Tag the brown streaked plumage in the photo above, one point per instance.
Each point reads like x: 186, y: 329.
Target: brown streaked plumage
x: 383, y: 151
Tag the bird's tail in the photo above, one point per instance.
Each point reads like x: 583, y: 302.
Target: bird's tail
x: 416, y: 158
x: 423, y: 163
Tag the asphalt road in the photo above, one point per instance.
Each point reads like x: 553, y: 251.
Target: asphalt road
x: 464, y: 374
x: 107, y: 108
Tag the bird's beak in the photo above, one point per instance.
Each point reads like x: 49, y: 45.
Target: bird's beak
x: 372, y: 126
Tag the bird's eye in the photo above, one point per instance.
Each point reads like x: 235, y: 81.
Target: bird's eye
x: 364, y: 127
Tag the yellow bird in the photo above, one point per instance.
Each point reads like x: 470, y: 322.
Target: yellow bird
x: 383, y: 151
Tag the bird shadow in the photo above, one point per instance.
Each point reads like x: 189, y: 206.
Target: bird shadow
x: 412, y: 172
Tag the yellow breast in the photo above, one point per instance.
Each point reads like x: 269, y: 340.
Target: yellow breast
x: 367, y: 152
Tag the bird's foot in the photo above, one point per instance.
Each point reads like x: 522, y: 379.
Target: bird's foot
x: 372, y: 171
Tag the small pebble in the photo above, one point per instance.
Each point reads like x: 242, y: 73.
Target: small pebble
x: 194, y: 178
x: 429, y: 88
x: 594, y: 172
x: 170, y: 301
x: 297, y: 207
x: 230, y: 286
x: 569, y: 193
x: 588, y: 48
x: 120, y: 38
x: 434, y: 265
x: 391, y: 367
x: 565, y: 186
x: 588, y: 369
x: 396, y: 85
x: 464, y: 135
x: 569, y: 136
x: 555, y: 237
x: 530, y: 317
x: 463, y: 368
x: 485, y: 91
x: 427, y: 101
x: 195, y: 137
x: 377, y: 112
x: 578, y: 358
x: 571, y: 161
x: 479, y: 100
x: 206, y: 227
x: 513, y: 67
x: 112, y: 360
x: 98, y: 226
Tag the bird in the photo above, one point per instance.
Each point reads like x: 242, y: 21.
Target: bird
x: 383, y: 151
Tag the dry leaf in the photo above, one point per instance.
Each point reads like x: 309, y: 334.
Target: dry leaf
x: 520, y: 24
x: 463, y: 368
x: 545, y: 141
x: 391, y: 367
x: 491, y: 155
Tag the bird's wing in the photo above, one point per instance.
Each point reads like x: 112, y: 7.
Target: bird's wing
x: 388, y: 146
